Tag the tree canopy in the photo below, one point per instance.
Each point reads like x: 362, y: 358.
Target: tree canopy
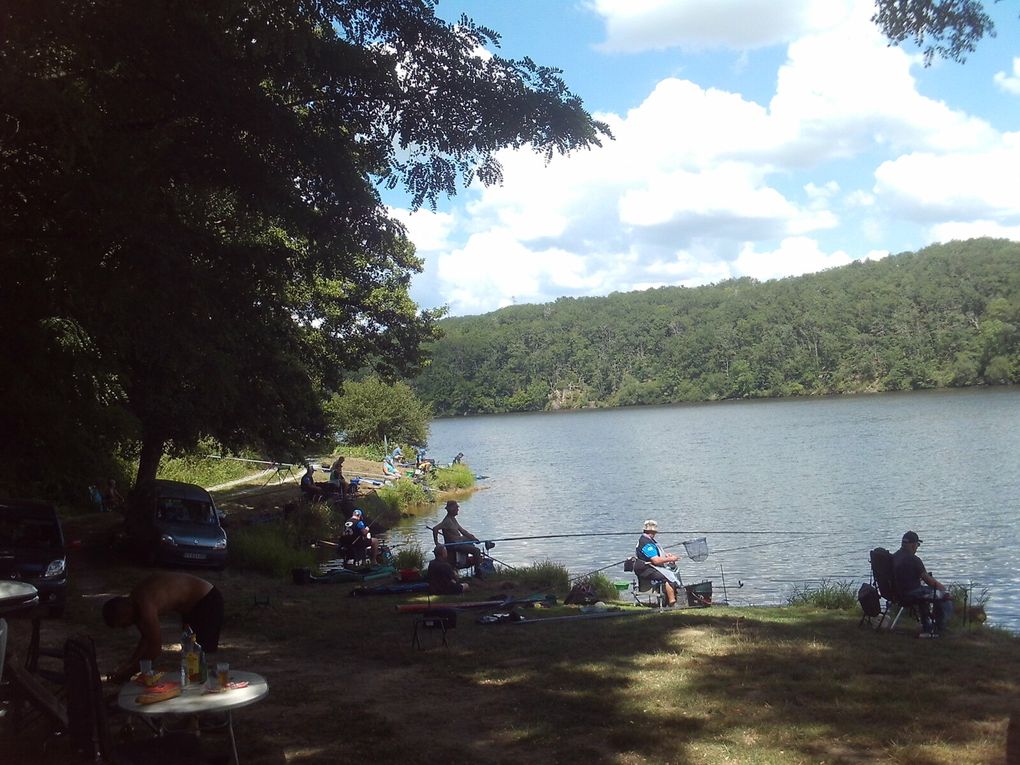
x: 946, y: 316
x: 193, y: 240
x: 945, y: 28
x: 371, y: 411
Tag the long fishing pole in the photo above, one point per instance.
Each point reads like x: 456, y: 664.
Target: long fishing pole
x: 633, y: 533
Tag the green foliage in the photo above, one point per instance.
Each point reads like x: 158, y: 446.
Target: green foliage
x: 403, y: 494
x: 409, y: 556
x: 948, y: 315
x: 540, y: 576
x: 309, y: 522
x: 267, y: 549
x: 371, y: 409
x: 603, y: 587
x: 194, y: 242
x: 201, y: 468
x: 830, y: 595
x: 458, y: 476
x: 382, y: 508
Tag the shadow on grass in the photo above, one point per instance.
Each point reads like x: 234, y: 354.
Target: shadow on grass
x: 771, y: 686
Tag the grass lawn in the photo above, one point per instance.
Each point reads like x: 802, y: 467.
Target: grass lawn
x: 772, y: 686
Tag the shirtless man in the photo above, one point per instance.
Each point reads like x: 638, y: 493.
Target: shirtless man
x: 198, y: 602
x: 455, y: 534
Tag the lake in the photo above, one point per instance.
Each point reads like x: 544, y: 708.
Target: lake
x: 788, y: 493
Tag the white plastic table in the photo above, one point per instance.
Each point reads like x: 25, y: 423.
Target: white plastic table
x: 194, y: 701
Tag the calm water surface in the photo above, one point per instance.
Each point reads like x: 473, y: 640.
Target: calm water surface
x: 860, y: 470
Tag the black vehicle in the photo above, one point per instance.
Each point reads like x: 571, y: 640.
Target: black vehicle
x: 176, y: 523
x: 32, y: 550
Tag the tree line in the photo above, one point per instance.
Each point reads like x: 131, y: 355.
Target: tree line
x: 946, y: 316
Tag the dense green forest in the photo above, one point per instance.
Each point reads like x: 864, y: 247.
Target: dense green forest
x: 948, y: 315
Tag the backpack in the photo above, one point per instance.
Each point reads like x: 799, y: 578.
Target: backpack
x: 868, y: 597
x: 582, y: 594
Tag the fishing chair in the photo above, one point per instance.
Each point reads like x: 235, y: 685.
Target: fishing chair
x: 883, y: 579
x: 88, y: 731
x: 645, y: 584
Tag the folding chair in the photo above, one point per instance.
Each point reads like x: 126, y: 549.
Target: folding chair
x: 882, y: 576
x: 88, y: 729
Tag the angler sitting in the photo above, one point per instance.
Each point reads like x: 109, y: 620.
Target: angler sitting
x: 311, y: 488
x: 356, y: 539
x: 650, y: 560
x: 457, y: 536
x: 920, y: 589
x: 442, y: 578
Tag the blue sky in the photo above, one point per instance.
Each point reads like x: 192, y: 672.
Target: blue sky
x: 753, y: 138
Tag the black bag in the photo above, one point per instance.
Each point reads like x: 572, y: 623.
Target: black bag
x: 581, y: 594
x: 868, y: 597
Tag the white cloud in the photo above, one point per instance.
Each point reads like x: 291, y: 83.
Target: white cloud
x: 946, y: 232
x: 428, y: 230
x: 1009, y: 83
x: 637, y: 25
x: 796, y: 255
x: 702, y: 184
x: 960, y: 186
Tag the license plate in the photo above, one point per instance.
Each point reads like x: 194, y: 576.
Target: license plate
x: 194, y: 556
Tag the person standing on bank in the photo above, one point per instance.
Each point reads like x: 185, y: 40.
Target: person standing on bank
x: 650, y: 559
x: 917, y: 587
x: 198, y: 602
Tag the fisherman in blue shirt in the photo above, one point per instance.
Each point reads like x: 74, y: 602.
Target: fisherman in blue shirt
x: 651, y: 557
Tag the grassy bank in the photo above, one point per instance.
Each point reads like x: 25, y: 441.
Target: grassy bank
x: 770, y: 686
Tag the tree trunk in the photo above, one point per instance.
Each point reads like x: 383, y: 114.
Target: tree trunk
x: 148, y: 460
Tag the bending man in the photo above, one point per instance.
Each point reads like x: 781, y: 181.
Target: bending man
x: 198, y: 602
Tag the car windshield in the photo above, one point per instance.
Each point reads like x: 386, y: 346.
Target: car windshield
x: 27, y: 531
x: 175, y: 510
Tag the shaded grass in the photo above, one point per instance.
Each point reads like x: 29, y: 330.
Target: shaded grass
x: 774, y: 686
x: 267, y: 550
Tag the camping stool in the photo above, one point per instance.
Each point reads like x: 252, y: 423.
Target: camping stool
x: 442, y: 619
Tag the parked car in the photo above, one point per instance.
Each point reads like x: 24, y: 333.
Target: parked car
x: 32, y: 549
x: 177, y: 523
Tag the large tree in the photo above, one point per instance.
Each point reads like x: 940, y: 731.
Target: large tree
x: 193, y: 240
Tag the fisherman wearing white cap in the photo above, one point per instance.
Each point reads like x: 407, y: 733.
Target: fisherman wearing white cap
x: 650, y: 556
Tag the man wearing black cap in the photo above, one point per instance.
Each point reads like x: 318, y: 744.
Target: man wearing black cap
x: 916, y: 587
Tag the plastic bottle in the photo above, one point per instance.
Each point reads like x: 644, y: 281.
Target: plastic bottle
x: 185, y: 645
x: 203, y: 667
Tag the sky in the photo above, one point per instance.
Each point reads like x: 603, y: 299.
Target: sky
x: 752, y: 138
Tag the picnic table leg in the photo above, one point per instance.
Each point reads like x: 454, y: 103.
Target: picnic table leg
x: 233, y: 742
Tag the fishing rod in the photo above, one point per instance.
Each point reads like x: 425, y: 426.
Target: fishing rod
x: 633, y: 533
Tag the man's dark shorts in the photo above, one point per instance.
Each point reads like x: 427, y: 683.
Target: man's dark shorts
x: 206, y: 619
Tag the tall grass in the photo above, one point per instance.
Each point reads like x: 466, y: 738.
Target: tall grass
x: 453, y: 477
x: 835, y: 596
x: 410, y: 556
x: 403, y: 493
x: 204, y: 470
x: 603, y: 587
x: 540, y: 576
x: 267, y: 550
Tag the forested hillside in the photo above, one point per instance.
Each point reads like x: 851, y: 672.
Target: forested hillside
x: 948, y: 315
